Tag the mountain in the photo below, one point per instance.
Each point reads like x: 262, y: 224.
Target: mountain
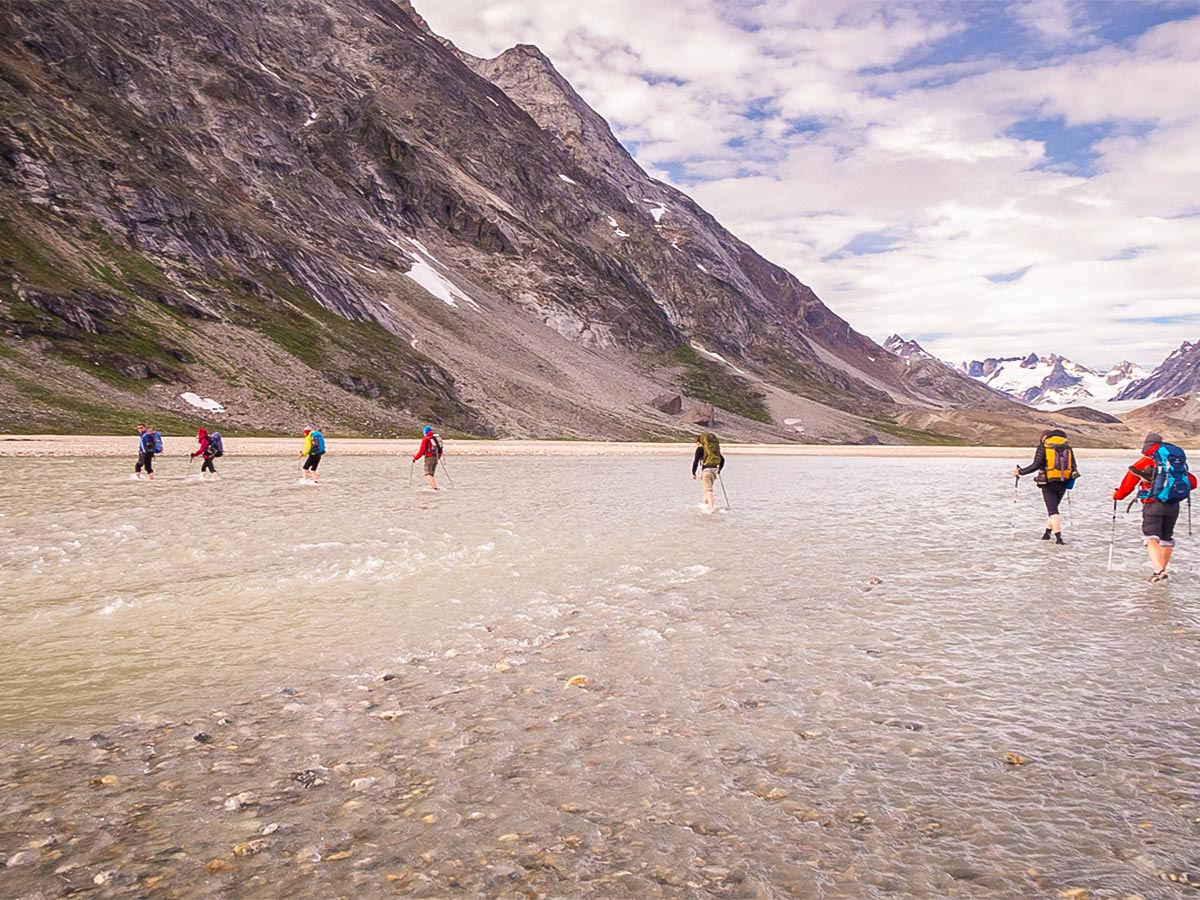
x: 1050, y: 382
x: 898, y: 346
x: 316, y: 210
x: 1178, y: 374
x: 1174, y: 416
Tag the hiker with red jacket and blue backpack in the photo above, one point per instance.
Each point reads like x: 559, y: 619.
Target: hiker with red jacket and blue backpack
x: 211, y: 446
x: 1163, y: 481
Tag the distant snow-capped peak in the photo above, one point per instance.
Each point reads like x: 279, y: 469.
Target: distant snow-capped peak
x: 1047, y: 382
x: 898, y: 346
x: 1052, y: 381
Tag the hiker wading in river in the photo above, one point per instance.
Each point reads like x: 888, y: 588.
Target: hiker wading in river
x: 1054, y: 462
x: 1163, y: 481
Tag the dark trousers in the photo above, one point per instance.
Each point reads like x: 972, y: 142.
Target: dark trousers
x: 1053, y: 493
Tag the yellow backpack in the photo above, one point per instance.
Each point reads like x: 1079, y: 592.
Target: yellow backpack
x: 712, y: 450
x: 1060, y: 459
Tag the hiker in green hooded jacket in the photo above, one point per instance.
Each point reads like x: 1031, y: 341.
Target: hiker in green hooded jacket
x: 710, y: 461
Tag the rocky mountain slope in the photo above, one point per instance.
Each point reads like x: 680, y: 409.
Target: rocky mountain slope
x: 314, y: 210
x: 1178, y: 374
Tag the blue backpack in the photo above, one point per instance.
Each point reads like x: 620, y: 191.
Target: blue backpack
x: 318, y: 442
x: 215, y: 445
x: 1170, y: 481
x: 158, y: 442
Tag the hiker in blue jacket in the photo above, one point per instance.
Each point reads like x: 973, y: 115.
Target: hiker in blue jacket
x: 146, y: 451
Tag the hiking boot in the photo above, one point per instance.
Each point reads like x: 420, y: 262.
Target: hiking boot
x: 1058, y: 538
x: 1046, y: 535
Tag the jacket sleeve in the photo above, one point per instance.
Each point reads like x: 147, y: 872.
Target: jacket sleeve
x: 699, y: 455
x: 1039, y: 461
x: 1136, y: 475
x: 203, y: 448
x: 308, y: 447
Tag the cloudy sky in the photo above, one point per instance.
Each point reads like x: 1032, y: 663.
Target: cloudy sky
x: 990, y: 178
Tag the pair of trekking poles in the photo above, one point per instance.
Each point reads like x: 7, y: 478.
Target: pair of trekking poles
x: 413, y: 464
x: 1112, y: 539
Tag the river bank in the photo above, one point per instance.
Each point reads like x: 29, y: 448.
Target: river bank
x: 106, y: 446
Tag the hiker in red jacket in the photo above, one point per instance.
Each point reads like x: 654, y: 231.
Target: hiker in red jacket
x: 207, y: 451
x: 1158, y: 517
x: 431, y: 449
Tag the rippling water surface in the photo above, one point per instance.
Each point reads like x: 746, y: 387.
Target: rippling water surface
x: 811, y: 694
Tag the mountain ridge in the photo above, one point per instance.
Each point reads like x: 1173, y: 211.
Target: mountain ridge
x: 316, y: 211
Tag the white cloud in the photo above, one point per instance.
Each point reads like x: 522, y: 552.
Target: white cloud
x: 804, y: 124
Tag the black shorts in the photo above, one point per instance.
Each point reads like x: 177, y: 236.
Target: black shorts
x: 1053, y: 493
x: 314, y: 460
x: 1158, y: 522
x: 146, y: 461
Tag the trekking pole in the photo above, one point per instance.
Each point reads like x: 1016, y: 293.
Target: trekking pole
x: 410, y: 471
x: 723, y: 491
x: 447, y: 471
x: 1070, y: 510
x: 1113, y: 536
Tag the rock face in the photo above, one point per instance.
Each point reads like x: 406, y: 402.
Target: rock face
x: 1179, y: 374
x: 315, y: 210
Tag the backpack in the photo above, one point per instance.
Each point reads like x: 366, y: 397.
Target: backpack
x: 157, y: 437
x: 435, y: 444
x: 1060, y: 460
x: 1169, y: 483
x: 318, y: 442
x: 712, y: 450
x: 215, y: 444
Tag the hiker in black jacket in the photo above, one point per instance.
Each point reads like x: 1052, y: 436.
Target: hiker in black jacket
x: 1054, y: 461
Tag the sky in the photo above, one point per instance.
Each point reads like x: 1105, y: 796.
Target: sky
x: 988, y: 178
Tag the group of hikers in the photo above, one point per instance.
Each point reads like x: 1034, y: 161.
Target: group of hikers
x: 211, y: 446
x: 1160, y: 477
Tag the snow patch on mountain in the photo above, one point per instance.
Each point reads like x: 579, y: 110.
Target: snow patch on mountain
x: 424, y: 274
x: 205, y: 403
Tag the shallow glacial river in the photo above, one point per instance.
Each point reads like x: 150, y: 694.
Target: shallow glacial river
x: 560, y: 679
